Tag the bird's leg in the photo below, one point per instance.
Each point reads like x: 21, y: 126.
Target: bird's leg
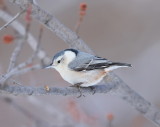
x: 93, y: 89
x: 78, y: 85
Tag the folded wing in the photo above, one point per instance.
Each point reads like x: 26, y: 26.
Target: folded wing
x: 86, y: 62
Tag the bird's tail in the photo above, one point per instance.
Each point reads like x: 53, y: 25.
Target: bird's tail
x: 116, y: 65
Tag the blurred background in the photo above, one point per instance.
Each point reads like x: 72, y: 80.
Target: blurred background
x: 124, y: 31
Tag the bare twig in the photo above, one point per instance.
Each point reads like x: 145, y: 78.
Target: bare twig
x: 77, y: 26
x: 54, y: 25
x: 30, y: 60
x: 38, y: 48
x: 16, y: 52
x: 19, y: 69
x: 38, y: 122
x: 82, y: 12
x: 21, y: 30
x: 22, y: 68
x: 25, y: 70
x: 58, y: 115
x: 40, y: 34
x: 14, y: 18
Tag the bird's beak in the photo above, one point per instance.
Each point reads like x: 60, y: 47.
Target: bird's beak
x: 49, y: 66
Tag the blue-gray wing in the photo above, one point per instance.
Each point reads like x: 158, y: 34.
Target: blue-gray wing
x: 85, y: 61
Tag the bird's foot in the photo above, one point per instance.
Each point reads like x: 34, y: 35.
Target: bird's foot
x: 78, y: 85
x: 93, y: 89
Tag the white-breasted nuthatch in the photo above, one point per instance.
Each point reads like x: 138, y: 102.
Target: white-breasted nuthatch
x: 82, y: 69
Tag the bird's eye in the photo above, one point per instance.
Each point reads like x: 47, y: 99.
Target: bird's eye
x: 58, y: 61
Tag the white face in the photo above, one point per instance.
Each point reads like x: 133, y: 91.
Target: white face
x: 58, y: 61
x: 62, y: 62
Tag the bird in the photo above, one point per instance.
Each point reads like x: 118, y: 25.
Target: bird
x: 82, y: 69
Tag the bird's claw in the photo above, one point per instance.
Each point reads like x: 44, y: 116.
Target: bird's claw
x: 79, y: 88
x: 93, y: 89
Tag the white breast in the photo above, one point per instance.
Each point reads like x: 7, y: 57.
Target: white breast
x: 88, y: 78
x: 69, y: 75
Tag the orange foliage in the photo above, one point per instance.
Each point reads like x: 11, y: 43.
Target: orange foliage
x: 83, y: 8
x: 73, y: 110
x: 78, y: 115
x: 82, y: 13
x: 138, y: 121
x: 29, y: 65
x: 8, y: 39
x: 110, y: 116
x: 28, y: 14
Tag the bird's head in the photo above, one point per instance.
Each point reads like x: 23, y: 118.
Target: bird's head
x: 62, y: 59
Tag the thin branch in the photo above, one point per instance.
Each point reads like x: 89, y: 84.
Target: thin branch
x: 38, y: 122
x: 38, y: 48
x: 14, y: 18
x: 19, y: 69
x: 71, y: 38
x: 40, y: 35
x: 21, y: 30
x: 25, y: 70
x: 16, y: 52
x: 77, y: 26
x: 31, y: 90
x: 22, y: 68
x: 49, y: 109
x: 82, y: 12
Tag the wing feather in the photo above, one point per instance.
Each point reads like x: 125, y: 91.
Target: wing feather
x: 86, y: 62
